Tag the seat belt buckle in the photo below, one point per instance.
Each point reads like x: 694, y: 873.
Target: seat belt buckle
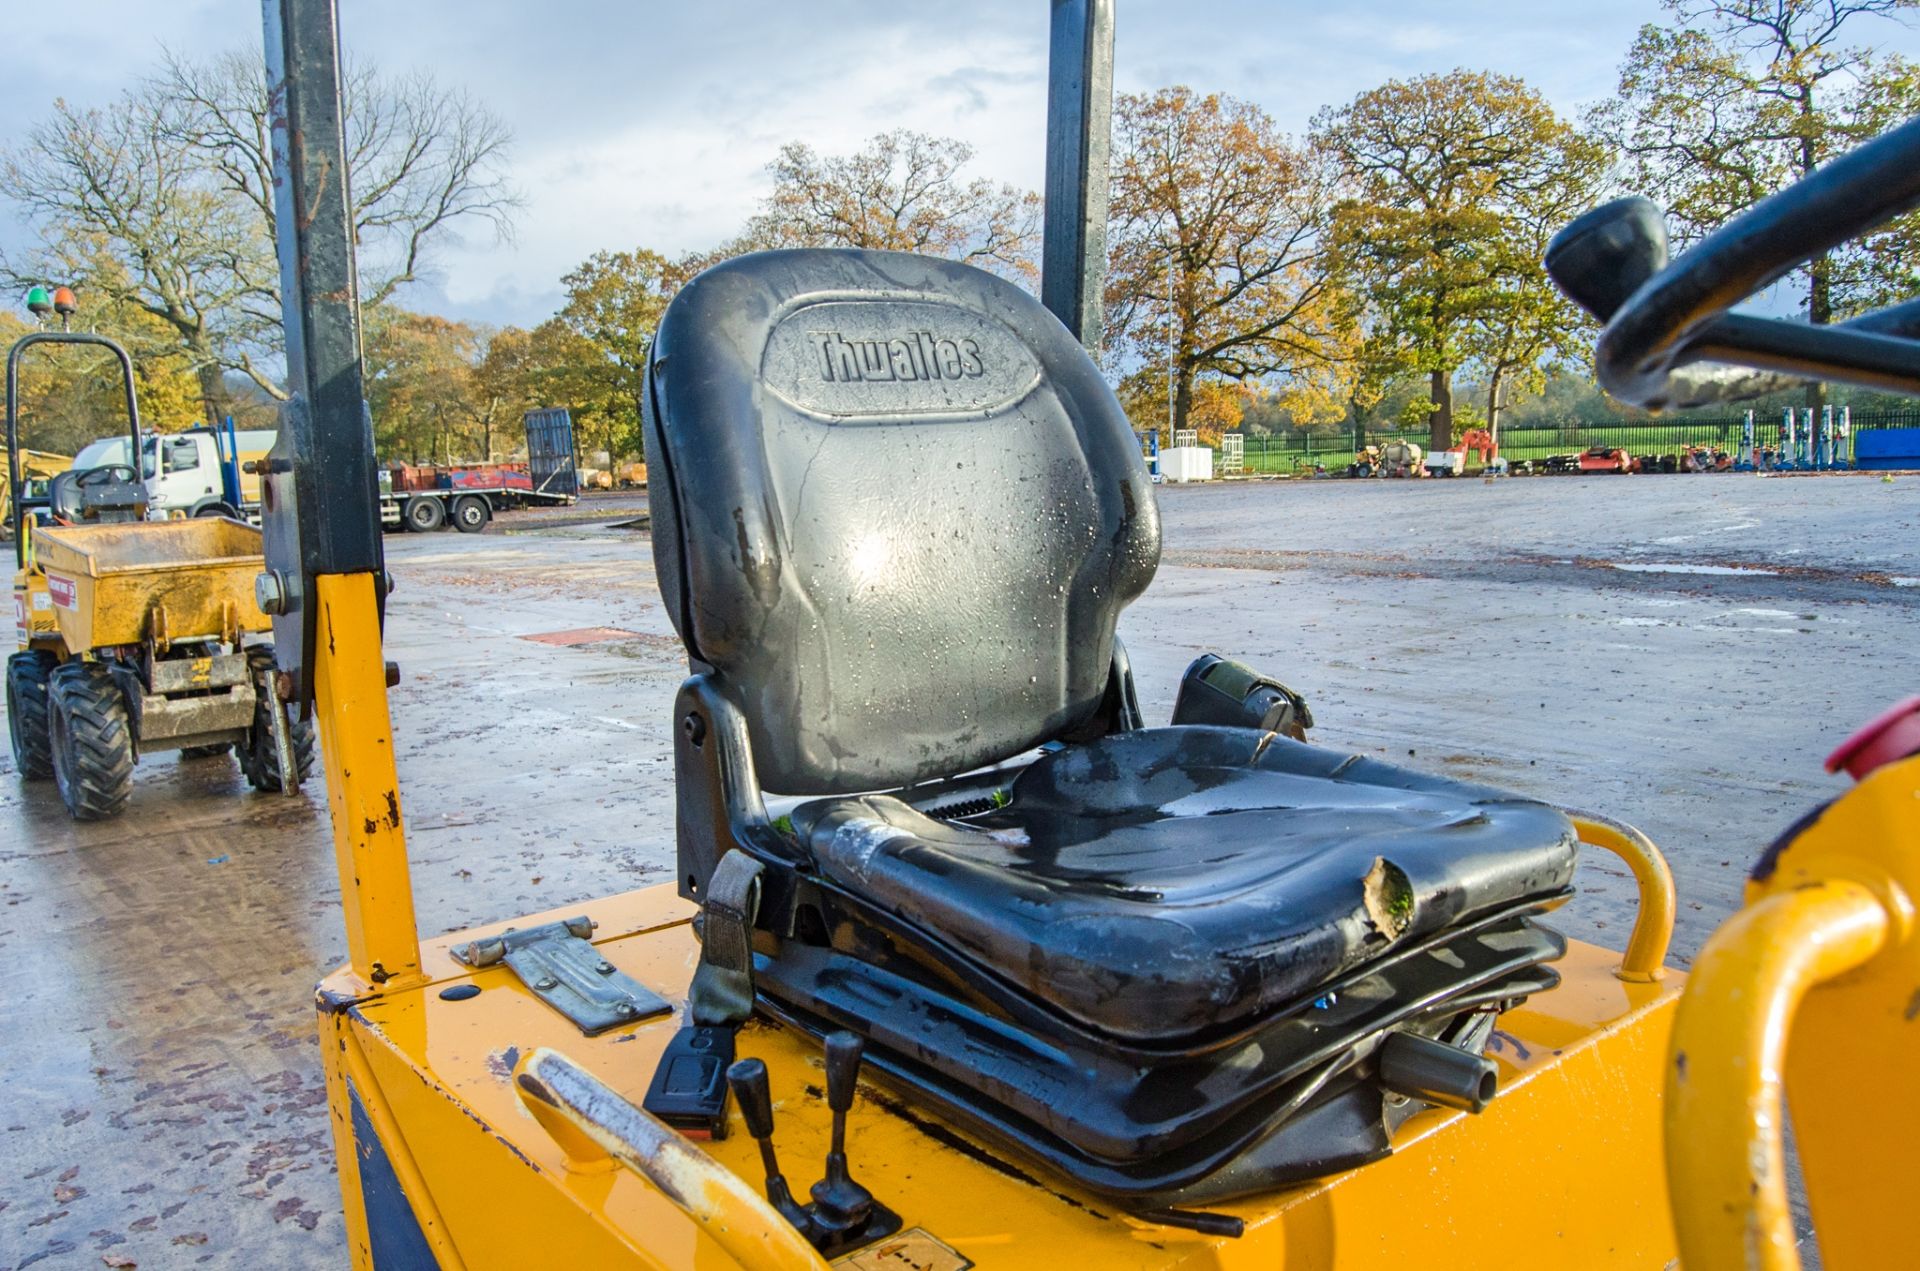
x: 689, y: 1088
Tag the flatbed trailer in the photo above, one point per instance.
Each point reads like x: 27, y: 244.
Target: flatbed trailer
x: 466, y: 508
x: 467, y: 498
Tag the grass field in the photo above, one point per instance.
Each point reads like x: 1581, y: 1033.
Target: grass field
x: 1269, y: 455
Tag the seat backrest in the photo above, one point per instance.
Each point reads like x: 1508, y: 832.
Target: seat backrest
x: 896, y: 513
x: 64, y: 497
x: 96, y: 494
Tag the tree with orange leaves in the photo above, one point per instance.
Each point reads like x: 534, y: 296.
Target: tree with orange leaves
x: 1216, y: 239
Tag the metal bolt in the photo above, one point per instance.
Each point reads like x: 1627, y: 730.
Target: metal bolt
x: 393, y: 674
x: 544, y: 982
x: 271, y: 593
x: 623, y: 1009
x: 284, y: 687
x: 604, y: 968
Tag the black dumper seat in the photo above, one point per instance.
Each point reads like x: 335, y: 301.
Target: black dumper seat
x: 1159, y: 883
x: 897, y: 512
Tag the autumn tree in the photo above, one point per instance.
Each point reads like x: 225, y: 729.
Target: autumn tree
x: 903, y: 191
x: 424, y: 159
x: 502, y: 385
x: 71, y: 395
x: 1216, y: 244
x: 419, y: 384
x: 1734, y: 99
x: 129, y: 216
x: 567, y: 369
x: 1452, y: 183
x: 614, y: 304
x: 163, y: 199
x: 1527, y: 327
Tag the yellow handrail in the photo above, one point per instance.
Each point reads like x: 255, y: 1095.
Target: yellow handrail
x: 363, y: 791
x: 1726, y: 1163
x: 593, y: 1124
x: 1646, y: 952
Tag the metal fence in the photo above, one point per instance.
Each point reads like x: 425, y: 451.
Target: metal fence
x: 1302, y: 450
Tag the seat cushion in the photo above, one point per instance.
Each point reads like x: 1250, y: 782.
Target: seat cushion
x: 1162, y: 882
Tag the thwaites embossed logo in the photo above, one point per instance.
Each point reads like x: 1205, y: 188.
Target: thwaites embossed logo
x: 918, y: 355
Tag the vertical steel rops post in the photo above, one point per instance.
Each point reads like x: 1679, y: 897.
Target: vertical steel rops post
x: 325, y: 581
x: 1073, y: 252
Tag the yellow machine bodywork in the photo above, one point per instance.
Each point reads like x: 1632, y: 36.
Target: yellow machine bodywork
x: 33, y: 618
x: 144, y: 582
x: 37, y: 467
x: 455, y: 1149
x: 1564, y: 1164
x: 451, y: 1154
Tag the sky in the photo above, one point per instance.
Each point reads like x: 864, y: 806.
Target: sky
x: 640, y: 123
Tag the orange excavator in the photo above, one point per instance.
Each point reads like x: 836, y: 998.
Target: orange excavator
x: 1453, y: 463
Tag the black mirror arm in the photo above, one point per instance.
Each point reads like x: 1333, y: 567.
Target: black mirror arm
x: 1678, y: 318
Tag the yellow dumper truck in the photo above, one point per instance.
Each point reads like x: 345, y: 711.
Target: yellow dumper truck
x: 132, y: 632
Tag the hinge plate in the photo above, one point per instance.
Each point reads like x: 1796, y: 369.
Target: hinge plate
x: 558, y: 963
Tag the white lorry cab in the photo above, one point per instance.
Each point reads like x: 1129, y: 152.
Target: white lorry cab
x: 198, y: 472
x: 98, y: 454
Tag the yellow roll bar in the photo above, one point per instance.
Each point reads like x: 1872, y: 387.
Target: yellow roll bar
x: 1726, y: 1161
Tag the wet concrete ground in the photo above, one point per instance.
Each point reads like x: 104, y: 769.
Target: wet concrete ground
x: 163, y: 1100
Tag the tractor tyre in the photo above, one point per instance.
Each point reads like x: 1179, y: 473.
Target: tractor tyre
x: 424, y: 513
x: 257, y: 758
x: 92, y: 741
x: 471, y: 514
x: 28, y: 707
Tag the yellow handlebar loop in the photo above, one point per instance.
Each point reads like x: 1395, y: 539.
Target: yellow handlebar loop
x: 1653, y: 927
x: 1726, y: 1165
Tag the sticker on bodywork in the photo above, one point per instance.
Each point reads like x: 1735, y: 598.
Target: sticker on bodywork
x: 61, y: 590
x: 915, y: 1249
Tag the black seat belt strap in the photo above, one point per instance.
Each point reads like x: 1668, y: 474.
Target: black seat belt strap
x: 689, y: 1088
x: 722, y: 991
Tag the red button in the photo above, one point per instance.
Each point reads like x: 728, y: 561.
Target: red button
x: 1890, y: 736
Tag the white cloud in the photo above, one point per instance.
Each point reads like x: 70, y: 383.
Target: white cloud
x: 651, y: 123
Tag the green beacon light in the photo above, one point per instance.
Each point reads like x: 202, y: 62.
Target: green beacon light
x: 39, y: 302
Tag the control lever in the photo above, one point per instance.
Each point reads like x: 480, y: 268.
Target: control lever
x: 841, y: 1205
x: 748, y: 1078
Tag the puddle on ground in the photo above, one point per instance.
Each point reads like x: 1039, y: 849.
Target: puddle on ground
x: 1671, y: 567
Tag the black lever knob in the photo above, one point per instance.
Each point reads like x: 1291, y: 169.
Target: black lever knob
x: 844, y: 1050
x: 839, y: 1203
x: 1603, y: 257
x: 748, y: 1077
